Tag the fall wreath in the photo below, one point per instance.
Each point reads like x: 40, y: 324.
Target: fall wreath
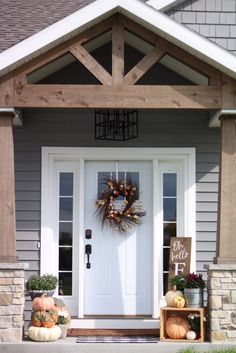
x: 129, y: 214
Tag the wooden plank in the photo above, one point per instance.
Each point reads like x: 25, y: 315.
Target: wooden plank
x: 178, y: 53
x: 63, y: 48
x: 117, y: 53
x: 99, y: 96
x: 227, y: 192
x: 75, y: 332
x: 143, y: 66
x: 6, y: 92
x: 180, y: 256
x: 7, y: 191
x: 228, y: 92
x: 91, y: 64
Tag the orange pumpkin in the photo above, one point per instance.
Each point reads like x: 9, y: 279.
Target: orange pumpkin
x: 42, y: 303
x: 179, y: 302
x: 42, y: 319
x: 177, y: 327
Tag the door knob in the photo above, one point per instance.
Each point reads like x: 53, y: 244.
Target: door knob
x: 88, y: 252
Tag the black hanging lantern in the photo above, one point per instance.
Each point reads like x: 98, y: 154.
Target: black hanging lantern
x: 116, y: 124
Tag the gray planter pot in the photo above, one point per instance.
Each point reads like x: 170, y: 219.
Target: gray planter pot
x: 193, y: 297
x: 36, y: 293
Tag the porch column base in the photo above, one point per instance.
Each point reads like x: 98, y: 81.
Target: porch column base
x: 12, y: 299
x: 225, y: 260
x: 12, y: 259
x: 222, y: 302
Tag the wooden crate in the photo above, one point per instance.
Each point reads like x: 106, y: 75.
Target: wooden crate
x: 166, y: 312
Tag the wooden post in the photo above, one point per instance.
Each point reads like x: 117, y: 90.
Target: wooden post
x: 227, y: 193
x: 7, y: 190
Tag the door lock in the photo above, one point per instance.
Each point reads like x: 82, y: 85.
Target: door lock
x: 88, y: 252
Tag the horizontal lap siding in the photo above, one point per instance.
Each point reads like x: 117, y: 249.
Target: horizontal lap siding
x: 75, y: 128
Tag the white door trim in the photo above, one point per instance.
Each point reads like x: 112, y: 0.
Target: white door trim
x: 52, y: 154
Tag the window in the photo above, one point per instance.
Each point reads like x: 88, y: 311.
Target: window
x: 65, y: 248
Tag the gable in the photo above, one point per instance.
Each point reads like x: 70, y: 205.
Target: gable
x: 98, y: 10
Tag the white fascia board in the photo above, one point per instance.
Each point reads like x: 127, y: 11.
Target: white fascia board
x: 134, y: 9
x: 163, y: 5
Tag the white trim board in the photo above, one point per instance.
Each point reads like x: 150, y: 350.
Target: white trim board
x: 52, y: 155
x: 164, y: 5
x: 134, y: 9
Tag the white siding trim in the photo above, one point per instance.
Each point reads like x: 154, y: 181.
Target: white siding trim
x: 138, y: 11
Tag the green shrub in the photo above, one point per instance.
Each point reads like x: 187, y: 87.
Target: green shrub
x: 45, y: 282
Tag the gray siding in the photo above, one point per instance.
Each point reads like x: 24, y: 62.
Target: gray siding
x: 213, y: 19
x: 75, y: 128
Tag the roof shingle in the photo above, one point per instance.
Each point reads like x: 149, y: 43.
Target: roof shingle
x: 22, y: 18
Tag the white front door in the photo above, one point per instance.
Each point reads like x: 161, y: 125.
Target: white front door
x: 119, y: 281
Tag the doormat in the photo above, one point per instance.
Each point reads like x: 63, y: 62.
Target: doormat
x: 116, y: 339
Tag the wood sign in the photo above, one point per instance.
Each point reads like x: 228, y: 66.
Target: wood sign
x: 180, y: 256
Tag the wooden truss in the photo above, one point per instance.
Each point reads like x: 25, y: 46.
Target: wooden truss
x: 117, y: 90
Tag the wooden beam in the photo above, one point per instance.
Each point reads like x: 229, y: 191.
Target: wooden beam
x: 143, y: 66
x: 7, y: 190
x: 227, y: 193
x: 117, y: 53
x: 63, y: 48
x: 170, y: 48
x: 120, y: 96
x: 91, y: 64
x: 6, y: 92
x: 228, y: 92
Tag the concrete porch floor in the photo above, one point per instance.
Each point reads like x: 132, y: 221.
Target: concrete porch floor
x: 69, y: 345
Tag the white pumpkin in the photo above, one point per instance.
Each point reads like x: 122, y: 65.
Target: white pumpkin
x: 43, y: 334
x: 191, y: 335
x: 170, y: 296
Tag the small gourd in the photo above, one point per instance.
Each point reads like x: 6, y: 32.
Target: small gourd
x: 191, y: 335
x: 43, y: 334
x: 177, y: 327
x: 42, y: 319
x: 42, y: 303
x: 170, y: 296
x: 179, y: 302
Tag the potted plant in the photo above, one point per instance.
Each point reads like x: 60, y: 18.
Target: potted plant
x: 37, y: 285
x: 192, y: 286
x: 193, y: 290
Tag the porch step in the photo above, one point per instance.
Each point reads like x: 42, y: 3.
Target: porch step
x: 145, y: 323
x: 74, y: 332
x: 69, y: 345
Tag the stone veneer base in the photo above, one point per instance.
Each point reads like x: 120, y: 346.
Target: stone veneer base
x: 12, y: 300
x: 222, y: 302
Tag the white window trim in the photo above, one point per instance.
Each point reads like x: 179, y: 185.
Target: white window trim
x: 52, y: 154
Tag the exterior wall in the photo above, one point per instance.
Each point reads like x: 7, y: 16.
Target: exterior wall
x: 213, y: 19
x: 76, y: 128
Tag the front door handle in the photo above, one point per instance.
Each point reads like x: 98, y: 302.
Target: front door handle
x: 88, y: 252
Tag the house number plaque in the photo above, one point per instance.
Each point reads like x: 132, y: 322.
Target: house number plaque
x: 180, y: 256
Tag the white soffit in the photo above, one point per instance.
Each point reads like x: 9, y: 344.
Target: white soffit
x: 134, y: 9
x: 164, y: 5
